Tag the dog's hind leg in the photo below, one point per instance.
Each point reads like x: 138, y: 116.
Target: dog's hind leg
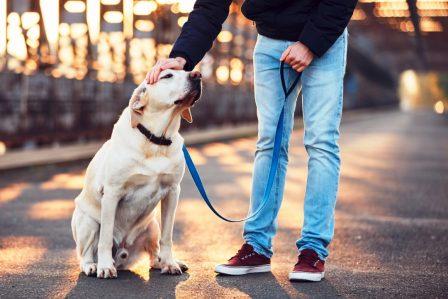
x: 86, y: 234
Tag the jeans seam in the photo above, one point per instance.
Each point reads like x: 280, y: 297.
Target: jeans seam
x: 339, y: 115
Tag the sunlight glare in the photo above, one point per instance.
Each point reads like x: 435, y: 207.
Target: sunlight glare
x: 58, y: 209
x: 18, y: 260
x: 64, y: 181
x: 11, y: 192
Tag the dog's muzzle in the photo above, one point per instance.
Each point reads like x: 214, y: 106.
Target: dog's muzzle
x: 194, y: 94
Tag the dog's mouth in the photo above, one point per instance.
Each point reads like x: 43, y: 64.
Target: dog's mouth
x: 190, y: 98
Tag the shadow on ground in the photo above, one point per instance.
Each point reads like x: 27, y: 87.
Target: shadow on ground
x: 127, y: 285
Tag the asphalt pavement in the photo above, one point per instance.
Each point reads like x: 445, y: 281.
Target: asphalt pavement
x: 391, y: 222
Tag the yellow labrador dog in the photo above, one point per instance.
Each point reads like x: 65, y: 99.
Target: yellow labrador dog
x: 142, y: 164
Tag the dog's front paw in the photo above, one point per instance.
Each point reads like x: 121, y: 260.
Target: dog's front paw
x: 89, y: 268
x: 172, y: 267
x: 106, y: 270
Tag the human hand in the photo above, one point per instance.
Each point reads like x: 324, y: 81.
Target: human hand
x: 298, y: 56
x: 177, y: 63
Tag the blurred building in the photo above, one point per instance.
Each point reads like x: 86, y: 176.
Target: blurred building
x: 67, y: 68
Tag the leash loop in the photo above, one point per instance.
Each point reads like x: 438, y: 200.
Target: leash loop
x: 274, y: 162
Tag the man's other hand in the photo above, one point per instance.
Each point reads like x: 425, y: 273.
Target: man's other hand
x: 177, y: 63
x: 298, y: 56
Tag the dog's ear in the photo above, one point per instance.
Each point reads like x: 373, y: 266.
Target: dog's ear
x: 137, y: 103
x: 186, y: 114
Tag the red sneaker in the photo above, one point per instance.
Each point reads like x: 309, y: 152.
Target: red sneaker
x: 244, y: 262
x: 309, y: 267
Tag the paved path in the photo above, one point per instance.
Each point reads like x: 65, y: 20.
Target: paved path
x: 391, y: 231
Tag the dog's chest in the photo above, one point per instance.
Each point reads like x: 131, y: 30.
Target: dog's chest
x: 143, y: 188
x: 142, y: 194
x: 151, y: 174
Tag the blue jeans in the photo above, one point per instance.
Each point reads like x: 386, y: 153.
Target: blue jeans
x: 322, y: 90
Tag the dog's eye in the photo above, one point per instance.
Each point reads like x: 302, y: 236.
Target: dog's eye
x: 167, y: 76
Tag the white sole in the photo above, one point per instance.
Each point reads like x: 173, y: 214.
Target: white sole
x: 306, y: 276
x: 228, y: 270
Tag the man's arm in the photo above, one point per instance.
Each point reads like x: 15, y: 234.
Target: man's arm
x: 324, y: 27
x: 198, y: 33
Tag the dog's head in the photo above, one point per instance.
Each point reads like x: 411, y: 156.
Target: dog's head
x: 175, y: 90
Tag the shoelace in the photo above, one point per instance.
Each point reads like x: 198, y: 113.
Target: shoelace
x: 244, y: 250
x: 308, y: 259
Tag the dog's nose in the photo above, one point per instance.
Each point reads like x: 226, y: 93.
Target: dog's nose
x: 195, y: 75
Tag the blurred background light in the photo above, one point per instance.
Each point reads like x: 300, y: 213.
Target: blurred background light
x: 222, y: 74
x: 236, y: 75
x: 75, y: 6
x: 110, y: 2
x: 117, y: 41
x: 128, y: 16
x: 225, y: 36
x: 16, y: 45
x: 186, y: 6
x: 3, y: 8
x: 144, y: 25
x: 50, y: 16
x: 33, y: 33
x: 143, y: 8
x: 93, y: 20
x: 181, y: 21
x: 29, y: 19
x: 439, y: 107
x: 77, y: 30
x: 2, y: 148
x: 410, y: 82
x: 113, y: 17
x: 167, y: 2
x: 358, y: 15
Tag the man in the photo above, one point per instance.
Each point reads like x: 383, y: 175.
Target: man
x: 311, y: 37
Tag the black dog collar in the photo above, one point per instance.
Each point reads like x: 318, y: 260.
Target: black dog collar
x: 153, y: 138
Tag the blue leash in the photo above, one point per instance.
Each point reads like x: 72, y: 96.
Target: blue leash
x: 274, y: 162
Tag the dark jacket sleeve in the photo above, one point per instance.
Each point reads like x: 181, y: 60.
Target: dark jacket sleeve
x: 325, y: 26
x: 198, y: 33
